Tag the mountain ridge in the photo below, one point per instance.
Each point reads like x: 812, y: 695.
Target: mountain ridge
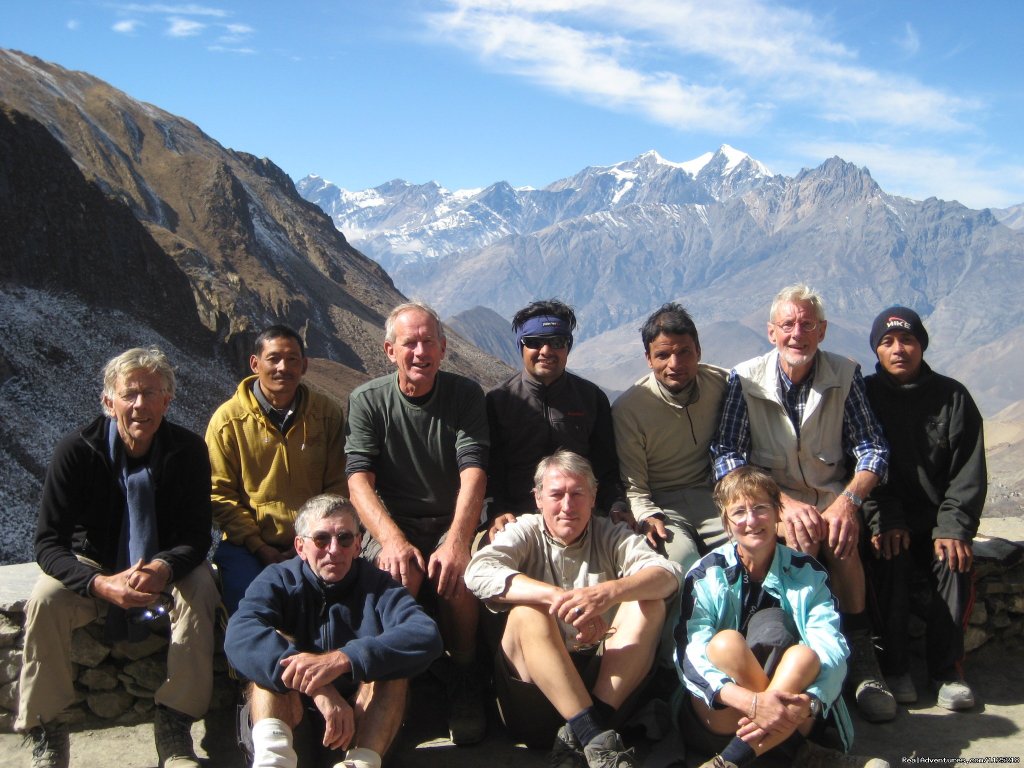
x: 722, y: 237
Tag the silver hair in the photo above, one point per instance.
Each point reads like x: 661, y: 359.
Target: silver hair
x: 149, y: 359
x: 568, y: 463
x: 798, y: 294
x: 320, y: 508
x: 409, y: 306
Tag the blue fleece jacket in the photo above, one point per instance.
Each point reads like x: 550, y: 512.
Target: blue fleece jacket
x: 288, y: 610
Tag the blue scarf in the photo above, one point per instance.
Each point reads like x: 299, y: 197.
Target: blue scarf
x: 138, y: 528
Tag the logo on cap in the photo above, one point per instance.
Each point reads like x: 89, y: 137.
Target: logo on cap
x: 897, y: 322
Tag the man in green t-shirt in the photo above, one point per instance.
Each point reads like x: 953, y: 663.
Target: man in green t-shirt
x: 416, y: 446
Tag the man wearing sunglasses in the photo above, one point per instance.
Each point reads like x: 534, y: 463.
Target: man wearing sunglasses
x: 123, y: 531
x: 329, y: 643
x: 544, y: 408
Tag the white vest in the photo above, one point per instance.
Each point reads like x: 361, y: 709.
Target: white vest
x: 811, y: 468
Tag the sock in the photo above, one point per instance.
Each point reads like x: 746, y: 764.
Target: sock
x: 739, y: 752
x: 367, y: 756
x: 855, y: 623
x: 272, y: 745
x: 586, y: 725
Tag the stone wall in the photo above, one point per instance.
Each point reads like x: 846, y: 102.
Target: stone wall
x: 115, y: 684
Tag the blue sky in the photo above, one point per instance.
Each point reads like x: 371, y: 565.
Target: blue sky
x: 927, y: 95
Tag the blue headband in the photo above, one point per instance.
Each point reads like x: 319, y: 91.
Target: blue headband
x: 543, y: 325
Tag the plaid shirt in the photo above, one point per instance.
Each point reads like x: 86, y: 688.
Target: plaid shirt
x: 862, y: 434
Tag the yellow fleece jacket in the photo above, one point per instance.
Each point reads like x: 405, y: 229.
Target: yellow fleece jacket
x: 261, y: 477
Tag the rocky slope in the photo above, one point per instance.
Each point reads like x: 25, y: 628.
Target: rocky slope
x: 121, y: 224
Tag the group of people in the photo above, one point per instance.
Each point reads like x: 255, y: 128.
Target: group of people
x: 578, y: 554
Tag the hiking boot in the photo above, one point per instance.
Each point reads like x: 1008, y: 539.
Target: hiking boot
x: 718, y: 762
x: 567, y: 751
x: 173, y: 733
x: 875, y: 702
x: 51, y: 747
x: 902, y: 687
x: 811, y: 755
x: 955, y: 695
x: 467, y: 720
x: 608, y: 751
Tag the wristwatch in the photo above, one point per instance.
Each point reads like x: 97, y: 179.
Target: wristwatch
x: 857, y: 500
x: 815, y: 707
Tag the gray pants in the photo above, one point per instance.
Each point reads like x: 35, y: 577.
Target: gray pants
x: 53, y: 612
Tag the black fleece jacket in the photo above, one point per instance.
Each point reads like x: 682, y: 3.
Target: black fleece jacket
x: 83, y: 504
x: 937, y: 475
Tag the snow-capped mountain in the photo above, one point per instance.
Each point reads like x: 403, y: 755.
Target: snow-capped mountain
x: 722, y: 234
x: 400, y: 224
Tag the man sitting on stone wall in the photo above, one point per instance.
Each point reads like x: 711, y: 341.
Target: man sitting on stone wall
x: 124, y: 528
x: 273, y: 445
x: 924, y: 518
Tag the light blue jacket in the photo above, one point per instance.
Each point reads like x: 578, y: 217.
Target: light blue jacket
x: 712, y: 601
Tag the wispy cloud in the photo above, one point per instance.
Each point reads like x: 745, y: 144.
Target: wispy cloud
x: 179, y: 27
x: 235, y: 34
x: 72, y: 24
x: 725, y: 66
x: 910, y: 42
x: 186, y: 9
x: 127, y: 26
x: 228, y: 49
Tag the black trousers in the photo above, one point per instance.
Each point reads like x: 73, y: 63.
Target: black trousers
x: 916, y: 582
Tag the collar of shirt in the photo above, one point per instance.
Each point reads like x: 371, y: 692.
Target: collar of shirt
x: 280, y: 417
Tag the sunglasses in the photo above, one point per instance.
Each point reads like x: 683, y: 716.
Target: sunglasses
x: 555, y: 342
x: 163, y: 606
x: 322, y: 539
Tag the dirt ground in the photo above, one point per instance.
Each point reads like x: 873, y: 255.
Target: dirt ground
x: 993, y: 730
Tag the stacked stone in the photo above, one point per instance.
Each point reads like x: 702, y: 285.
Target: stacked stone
x: 116, y: 683
x: 999, y: 601
x: 113, y: 683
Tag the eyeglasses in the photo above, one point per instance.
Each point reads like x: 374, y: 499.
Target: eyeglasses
x: 806, y: 326
x: 164, y: 605
x: 322, y: 539
x: 131, y: 395
x: 740, y: 514
x: 555, y: 342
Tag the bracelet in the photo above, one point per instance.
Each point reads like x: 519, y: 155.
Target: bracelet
x: 857, y: 501
x: 752, y: 712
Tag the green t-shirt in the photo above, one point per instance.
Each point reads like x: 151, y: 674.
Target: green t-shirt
x: 415, y: 448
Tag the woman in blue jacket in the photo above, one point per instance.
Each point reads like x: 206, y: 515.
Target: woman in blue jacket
x: 758, y: 644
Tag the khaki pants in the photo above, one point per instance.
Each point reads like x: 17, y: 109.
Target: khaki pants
x: 53, y: 612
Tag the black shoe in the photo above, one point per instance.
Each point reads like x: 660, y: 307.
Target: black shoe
x: 467, y: 720
x: 51, y: 747
x: 607, y: 751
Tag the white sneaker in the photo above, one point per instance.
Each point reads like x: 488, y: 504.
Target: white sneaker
x: 955, y: 695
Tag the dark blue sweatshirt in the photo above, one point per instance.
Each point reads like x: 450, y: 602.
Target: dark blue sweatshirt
x: 371, y: 618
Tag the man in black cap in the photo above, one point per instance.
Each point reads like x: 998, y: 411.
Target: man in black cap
x: 925, y: 516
